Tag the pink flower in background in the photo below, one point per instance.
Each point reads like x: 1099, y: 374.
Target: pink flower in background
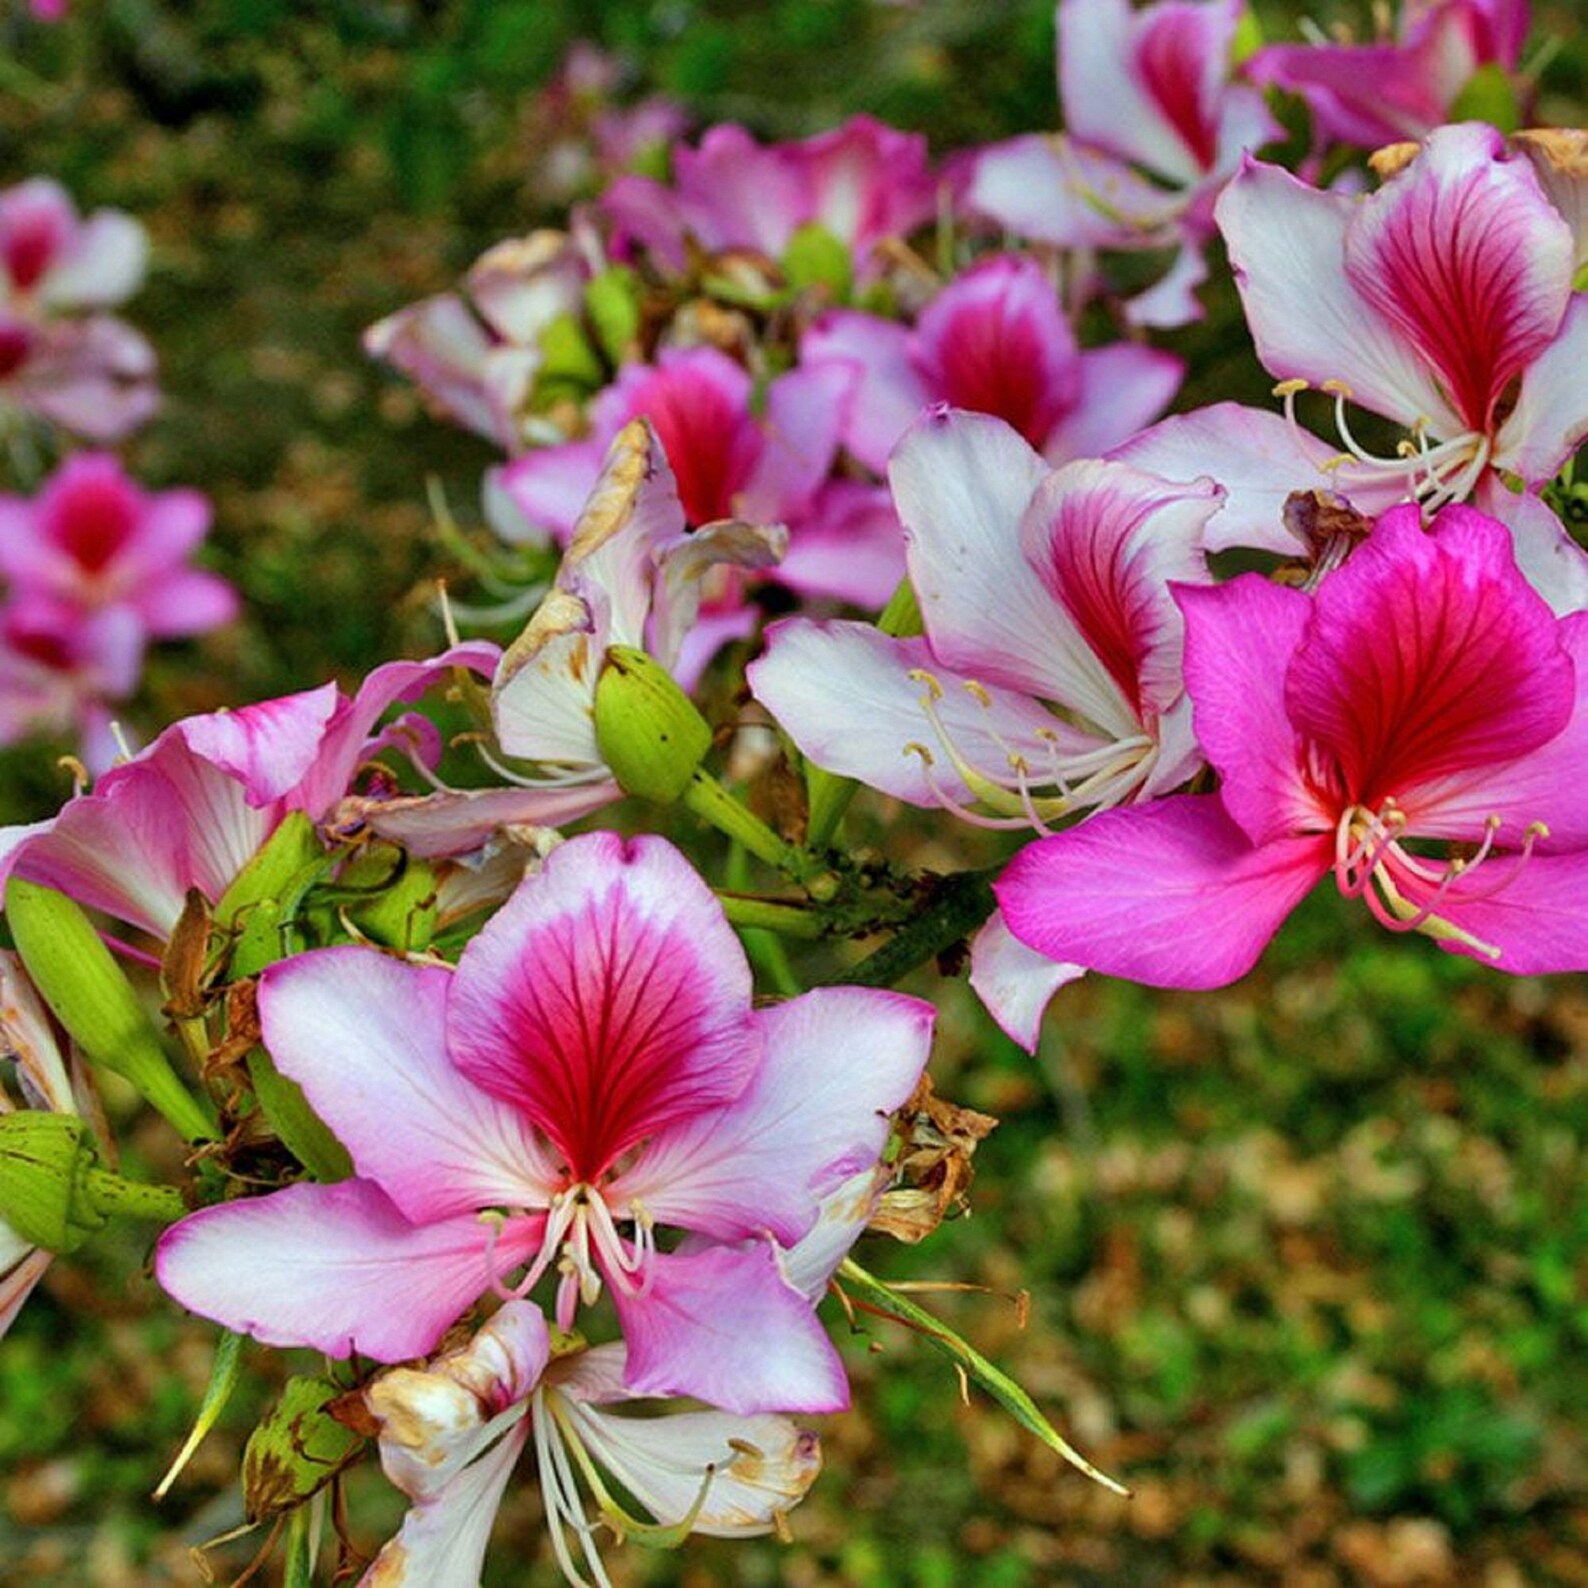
x: 92, y: 540
x: 51, y: 260
x: 592, y: 1073
x: 862, y: 182
x: 452, y: 1431
x: 1416, y: 729
x: 1376, y: 93
x: 1154, y: 128
x: 994, y: 341
x: 94, y: 377
x: 733, y: 460
x: 196, y: 806
x: 48, y: 10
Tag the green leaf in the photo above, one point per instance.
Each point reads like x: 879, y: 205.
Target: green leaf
x: 1489, y: 96
x: 223, y: 1380
x: 612, y: 300
x: 305, y: 1134
x: 815, y: 258
x: 972, y: 1363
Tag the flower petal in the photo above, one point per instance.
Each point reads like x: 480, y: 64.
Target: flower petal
x: 365, y: 1036
x: 723, y: 1324
x: 1014, y: 982
x: 608, y: 999
x: 1171, y: 894
x: 337, y: 1268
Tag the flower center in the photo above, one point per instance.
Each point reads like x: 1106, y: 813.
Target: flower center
x: 1047, y: 780
x: 1432, y: 472
x: 1406, y: 892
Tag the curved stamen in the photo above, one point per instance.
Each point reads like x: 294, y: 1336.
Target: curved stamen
x: 954, y: 807
x: 561, y: 1491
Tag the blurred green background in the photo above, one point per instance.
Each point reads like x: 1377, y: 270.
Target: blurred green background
x: 1308, y: 1260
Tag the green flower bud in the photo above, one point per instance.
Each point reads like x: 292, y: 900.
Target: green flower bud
x: 91, y: 997
x: 297, y: 1449
x: 647, y: 728
x: 43, y: 1160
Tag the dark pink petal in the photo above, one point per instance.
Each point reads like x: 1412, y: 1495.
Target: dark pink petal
x: 1427, y: 655
x: 365, y: 1036
x: 336, y: 1268
x: 1171, y: 894
x: 723, y: 1324
x: 837, y: 1062
x: 1537, y: 921
x: 608, y: 999
x: 849, y: 545
x: 187, y: 601
x: 995, y: 341
x: 891, y: 392
x: 1467, y: 258
x: 806, y: 413
x: 1239, y: 640
x: 867, y: 181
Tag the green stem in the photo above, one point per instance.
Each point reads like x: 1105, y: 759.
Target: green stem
x: 132, y: 1199
x: 773, y: 915
x: 712, y: 803
x: 956, y: 907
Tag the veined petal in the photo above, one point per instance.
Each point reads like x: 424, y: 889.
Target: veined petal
x: 838, y: 1061
x: 268, y: 747
x: 1014, y: 982
x: 962, y: 483
x: 1170, y: 894
x: 1239, y: 640
x: 845, y: 695
x: 1428, y: 654
x: 17, y: 1282
x: 1106, y: 540
x: 1550, y: 560
x: 723, y: 1324
x: 1308, y: 318
x: 607, y: 999
x: 751, y: 1469
x: 1463, y: 254
x: 336, y: 1268
x: 1537, y: 922
x: 365, y: 1036
x: 460, y: 821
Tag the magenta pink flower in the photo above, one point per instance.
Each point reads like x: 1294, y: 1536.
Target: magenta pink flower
x: 1377, y: 93
x: 1417, y: 730
x: 862, y: 182
x: 591, y: 1074
x: 93, y: 540
x: 94, y: 377
x: 993, y: 341
x: 731, y: 460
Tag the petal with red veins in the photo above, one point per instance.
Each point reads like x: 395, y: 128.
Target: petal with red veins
x: 608, y: 999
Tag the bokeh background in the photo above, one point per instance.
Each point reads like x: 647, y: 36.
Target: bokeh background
x: 1307, y: 1261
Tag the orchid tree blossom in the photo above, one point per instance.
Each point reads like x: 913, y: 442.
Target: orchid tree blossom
x: 995, y: 340
x: 452, y: 1431
x: 863, y: 182
x: 197, y: 805
x: 53, y: 261
x: 1374, y: 93
x: 1048, y: 680
x: 1443, y: 302
x: 733, y: 459
x: 475, y: 354
x: 92, y: 540
x: 1154, y: 128
x: 1416, y: 730
x: 591, y: 1075
x: 94, y: 377
x: 27, y: 1039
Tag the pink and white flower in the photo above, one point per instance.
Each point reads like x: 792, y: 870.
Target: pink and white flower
x: 451, y: 1433
x: 993, y: 341
x: 592, y: 1073
x: 94, y: 377
x: 1154, y: 128
x: 1375, y: 93
x: 1424, y: 700
x: 862, y: 182
x: 53, y: 261
x: 93, y: 541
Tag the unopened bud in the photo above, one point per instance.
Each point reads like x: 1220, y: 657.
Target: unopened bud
x: 43, y: 1158
x: 649, y: 732
x: 298, y: 1448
